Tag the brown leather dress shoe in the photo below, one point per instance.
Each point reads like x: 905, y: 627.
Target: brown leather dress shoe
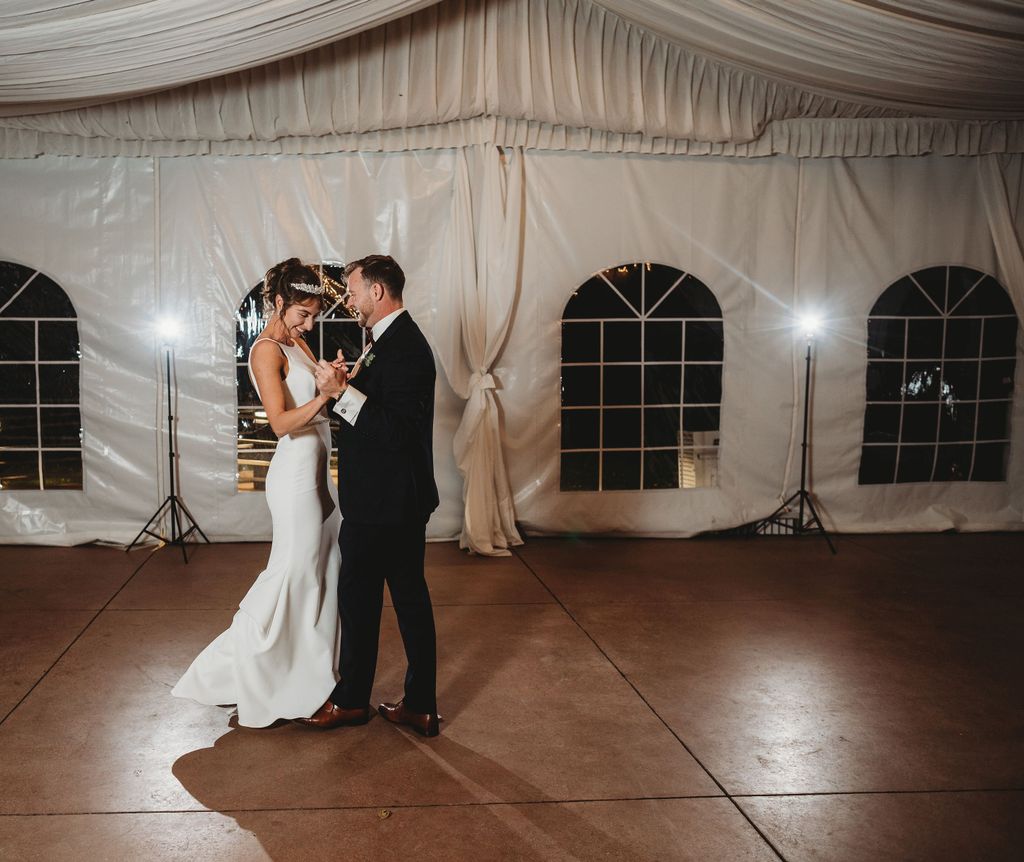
x: 330, y: 716
x: 424, y: 723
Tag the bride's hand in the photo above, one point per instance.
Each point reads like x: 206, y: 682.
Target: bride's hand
x: 331, y: 377
x: 353, y: 371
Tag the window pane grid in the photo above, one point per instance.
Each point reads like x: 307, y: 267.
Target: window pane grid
x: 615, y: 411
x: 625, y: 406
x: 649, y: 316
x: 942, y: 376
x: 951, y: 418
x: 657, y: 362
x: 36, y: 319
x: 600, y: 423
x: 955, y: 316
x: 253, y: 453
x: 643, y: 375
x: 45, y: 449
x: 977, y: 413
x: 40, y: 446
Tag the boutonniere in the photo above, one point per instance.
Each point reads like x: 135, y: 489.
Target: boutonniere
x: 368, y: 359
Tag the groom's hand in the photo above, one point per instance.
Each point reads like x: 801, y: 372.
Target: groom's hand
x: 331, y: 378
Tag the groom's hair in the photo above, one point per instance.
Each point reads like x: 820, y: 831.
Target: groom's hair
x: 380, y: 269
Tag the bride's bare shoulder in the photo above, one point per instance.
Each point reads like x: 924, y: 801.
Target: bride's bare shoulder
x: 266, y: 351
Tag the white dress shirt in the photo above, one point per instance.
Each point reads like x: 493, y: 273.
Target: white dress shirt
x: 352, y: 400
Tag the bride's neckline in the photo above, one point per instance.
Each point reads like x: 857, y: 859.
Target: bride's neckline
x: 294, y: 342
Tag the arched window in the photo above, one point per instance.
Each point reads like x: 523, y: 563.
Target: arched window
x: 642, y: 352
x: 40, y: 417
x: 942, y: 347
x: 335, y: 330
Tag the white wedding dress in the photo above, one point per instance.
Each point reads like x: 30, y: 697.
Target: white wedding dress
x: 279, y: 658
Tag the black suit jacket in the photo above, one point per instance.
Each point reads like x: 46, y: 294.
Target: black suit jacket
x: 386, y: 460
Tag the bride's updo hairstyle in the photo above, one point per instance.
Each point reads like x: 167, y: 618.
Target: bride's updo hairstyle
x: 281, y: 280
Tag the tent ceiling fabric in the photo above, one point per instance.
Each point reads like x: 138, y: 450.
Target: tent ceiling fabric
x: 56, y: 54
x: 540, y: 74
x: 552, y: 74
x: 938, y: 58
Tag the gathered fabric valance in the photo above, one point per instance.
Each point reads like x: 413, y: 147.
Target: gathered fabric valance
x: 807, y: 138
x: 543, y: 74
x: 800, y: 138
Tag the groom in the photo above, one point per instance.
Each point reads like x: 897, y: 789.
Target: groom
x: 387, y: 492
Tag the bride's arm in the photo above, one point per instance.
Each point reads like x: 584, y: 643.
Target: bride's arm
x: 268, y: 369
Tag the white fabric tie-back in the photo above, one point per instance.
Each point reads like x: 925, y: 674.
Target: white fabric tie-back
x: 481, y: 380
x: 482, y: 281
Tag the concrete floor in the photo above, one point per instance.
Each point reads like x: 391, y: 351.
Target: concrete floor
x: 711, y: 699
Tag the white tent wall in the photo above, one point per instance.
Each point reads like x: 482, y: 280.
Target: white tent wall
x: 728, y: 222
x: 224, y: 222
x: 98, y: 227
x: 771, y: 238
x: 865, y: 223
x: 89, y: 224
x: 766, y: 235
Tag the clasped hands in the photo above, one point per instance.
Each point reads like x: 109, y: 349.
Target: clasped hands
x: 332, y: 377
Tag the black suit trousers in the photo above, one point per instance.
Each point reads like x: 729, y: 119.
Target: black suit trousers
x: 372, y: 554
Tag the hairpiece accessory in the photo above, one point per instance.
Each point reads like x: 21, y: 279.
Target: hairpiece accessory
x: 315, y: 289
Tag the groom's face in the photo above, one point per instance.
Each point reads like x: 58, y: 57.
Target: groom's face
x: 362, y: 298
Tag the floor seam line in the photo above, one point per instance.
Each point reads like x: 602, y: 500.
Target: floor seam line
x: 878, y: 792
x: 653, y: 711
x: 77, y: 637
x: 375, y: 807
x: 434, y: 604
x: 500, y: 802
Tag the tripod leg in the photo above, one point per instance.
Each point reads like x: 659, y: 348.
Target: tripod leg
x: 192, y: 521
x: 176, y: 520
x: 149, y: 523
x: 821, y: 527
x: 775, y: 517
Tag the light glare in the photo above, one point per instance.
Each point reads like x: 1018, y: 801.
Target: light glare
x: 168, y: 329
x: 809, y: 324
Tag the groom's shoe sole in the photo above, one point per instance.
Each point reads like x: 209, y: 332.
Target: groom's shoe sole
x: 330, y: 716
x: 424, y: 723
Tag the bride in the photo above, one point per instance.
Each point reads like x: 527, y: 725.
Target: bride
x: 279, y: 658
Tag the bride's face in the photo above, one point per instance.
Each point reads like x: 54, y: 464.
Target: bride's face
x: 300, y: 317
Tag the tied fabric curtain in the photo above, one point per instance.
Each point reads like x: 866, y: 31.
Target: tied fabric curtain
x: 479, y: 299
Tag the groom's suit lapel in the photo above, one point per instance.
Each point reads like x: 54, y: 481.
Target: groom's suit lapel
x: 383, y: 351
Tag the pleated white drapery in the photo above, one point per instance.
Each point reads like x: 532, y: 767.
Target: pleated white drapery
x: 1002, y: 182
x: 943, y: 58
x: 480, y: 291
x: 540, y: 74
x: 75, y: 52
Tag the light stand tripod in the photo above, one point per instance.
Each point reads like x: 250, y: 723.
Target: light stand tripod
x: 783, y: 517
x: 172, y: 505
